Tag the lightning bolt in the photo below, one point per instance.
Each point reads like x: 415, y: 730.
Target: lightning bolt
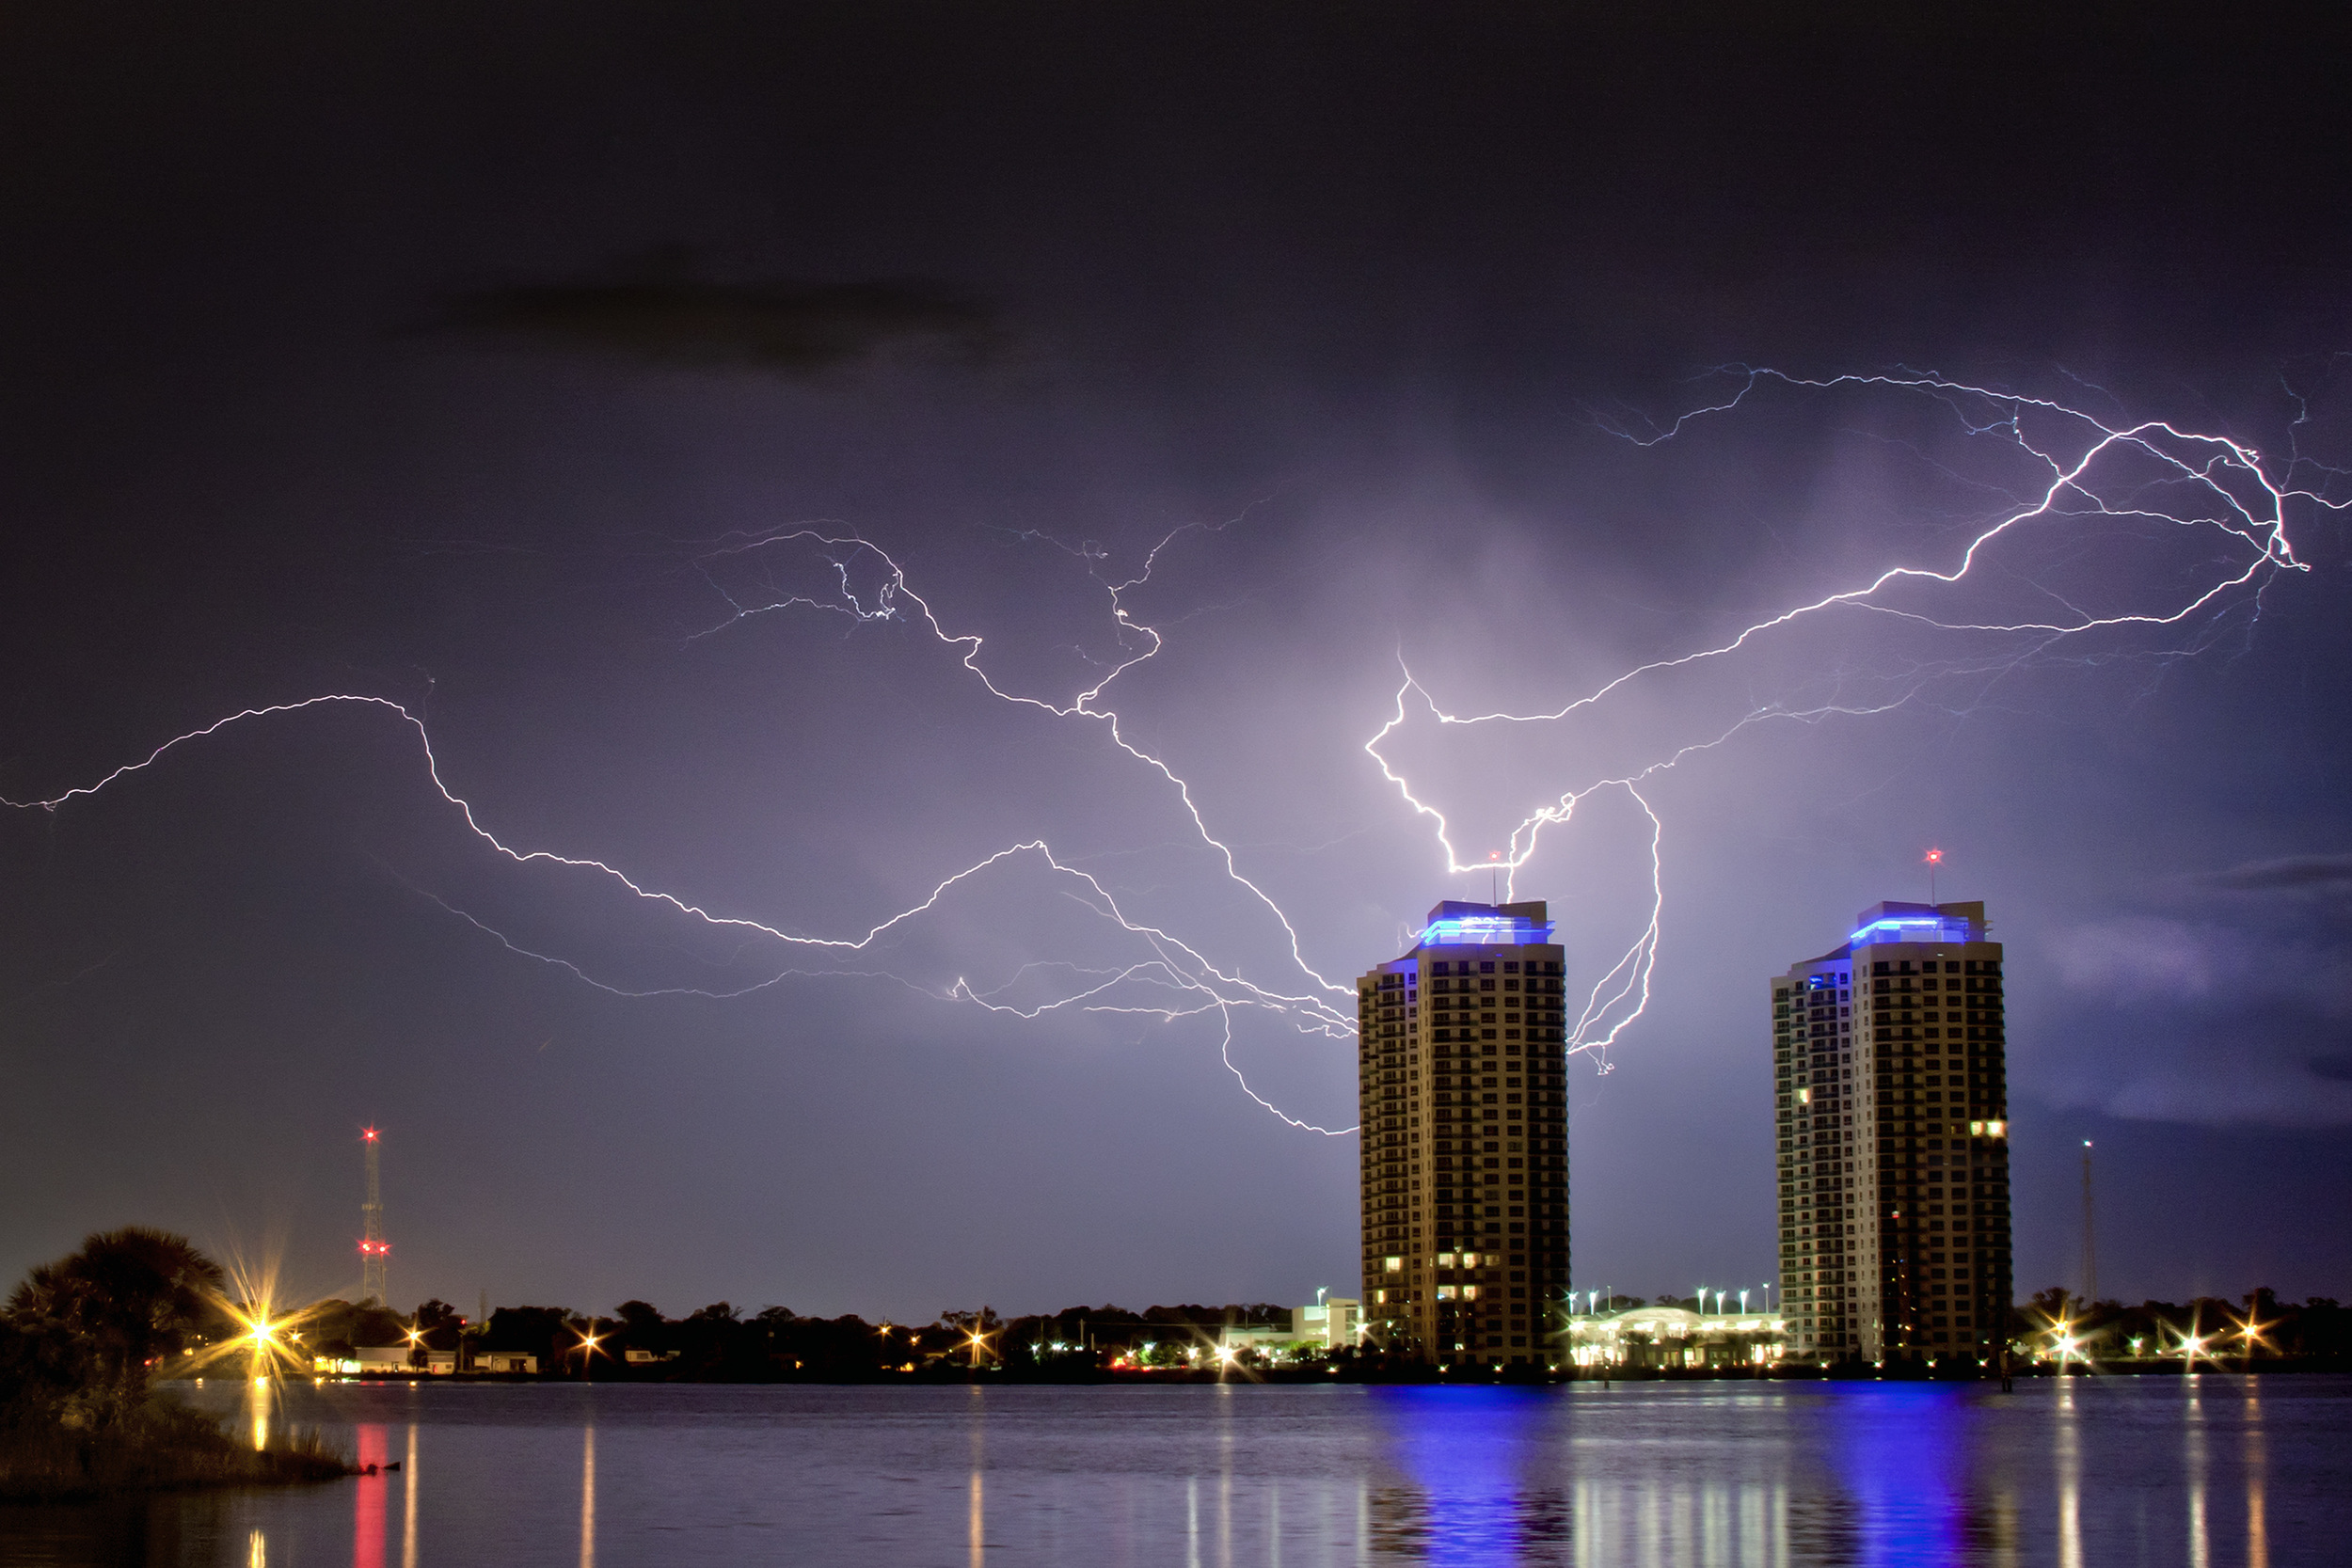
x: 2240, y: 500
x: 2247, y: 504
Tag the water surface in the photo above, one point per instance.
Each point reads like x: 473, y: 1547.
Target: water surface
x: 2087, y: 1474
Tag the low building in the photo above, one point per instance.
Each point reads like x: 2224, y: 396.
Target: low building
x: 1335, y: 1324
x: 505, y: 1361
x: 1316, y: 1329
x: 380, y: 1359
x: 1674, y: 1339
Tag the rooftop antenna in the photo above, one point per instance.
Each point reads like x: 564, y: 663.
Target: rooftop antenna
x: 1494, y: 878
x: 2091, y: 1246
x: 1935, y: 857
x: 372, y: 1247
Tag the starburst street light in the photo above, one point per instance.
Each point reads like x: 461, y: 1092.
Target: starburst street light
x: 2250, y: 1335
x: 2064, y: 1341
x: 264, y: 1336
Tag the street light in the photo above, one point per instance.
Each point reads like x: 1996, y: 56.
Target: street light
x: 2250, y: 1334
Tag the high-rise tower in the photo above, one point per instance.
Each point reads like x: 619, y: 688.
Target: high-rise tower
x: 374, y: 1251
x: 1462, y: 1090
x: 1889, y: 1059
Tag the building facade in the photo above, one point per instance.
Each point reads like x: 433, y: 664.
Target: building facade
x: 1463, y: 1098
x: 1889, y: 1061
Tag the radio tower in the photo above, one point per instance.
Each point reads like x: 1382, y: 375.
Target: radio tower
x: 372, y: 1246
x: 2090, y: 1245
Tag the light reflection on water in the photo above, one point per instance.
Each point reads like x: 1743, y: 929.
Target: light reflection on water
x: 1722, y: 1475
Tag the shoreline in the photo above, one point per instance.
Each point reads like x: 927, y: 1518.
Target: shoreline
x: 175, y: 1449
x: 1401, y: 1377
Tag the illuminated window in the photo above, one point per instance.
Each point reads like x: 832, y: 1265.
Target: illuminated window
x: 1393, y: 1266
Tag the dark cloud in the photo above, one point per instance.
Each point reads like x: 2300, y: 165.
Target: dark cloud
x: 659, y: 315
x: 2293, y: 874
x: 2336, y: 1067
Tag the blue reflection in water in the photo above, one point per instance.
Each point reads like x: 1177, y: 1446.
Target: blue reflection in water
x: 1463, y: 1453
x: 1901, y: 1449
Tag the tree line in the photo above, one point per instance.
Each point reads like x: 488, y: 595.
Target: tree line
x: 2257, y: 1328
x: 721, y: 1343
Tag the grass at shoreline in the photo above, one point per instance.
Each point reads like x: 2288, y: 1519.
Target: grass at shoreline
x: 163, y: 1446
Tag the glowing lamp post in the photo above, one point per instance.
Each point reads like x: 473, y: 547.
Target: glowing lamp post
x: 264, y: 1334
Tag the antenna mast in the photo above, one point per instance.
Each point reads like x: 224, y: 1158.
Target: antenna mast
x: 372, y: 1247
x: 2091, y: 1246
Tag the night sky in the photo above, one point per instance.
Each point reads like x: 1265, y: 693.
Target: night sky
x: 513, y: 364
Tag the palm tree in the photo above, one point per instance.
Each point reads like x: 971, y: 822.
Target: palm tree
x: 128, y: 1299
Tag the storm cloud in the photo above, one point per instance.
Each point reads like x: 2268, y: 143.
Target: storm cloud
x: 2289, y: 873
x: 792, y: 329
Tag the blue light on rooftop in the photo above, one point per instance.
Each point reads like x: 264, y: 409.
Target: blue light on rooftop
x: 1918, y: 928
x: 1485, y: 930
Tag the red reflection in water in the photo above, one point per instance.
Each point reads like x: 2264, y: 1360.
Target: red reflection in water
x: 367, y: 1508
